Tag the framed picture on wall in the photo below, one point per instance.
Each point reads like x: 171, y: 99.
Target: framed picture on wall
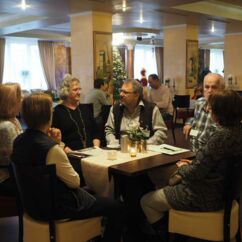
x: 102, y: 43
x: 192, y: 60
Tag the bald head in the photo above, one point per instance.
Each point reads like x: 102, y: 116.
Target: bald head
x: 212, y: 82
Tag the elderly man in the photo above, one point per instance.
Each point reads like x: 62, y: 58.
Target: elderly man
x: 133, y: 111
x: 160, y: 95
x: 201, y: 127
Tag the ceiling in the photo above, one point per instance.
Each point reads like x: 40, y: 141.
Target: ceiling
x: 50, y: 19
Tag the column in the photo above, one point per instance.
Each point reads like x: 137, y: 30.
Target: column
x: 130, y: 62
x: 85, y: 27
x: 233, y: 61
x: 175, y: 38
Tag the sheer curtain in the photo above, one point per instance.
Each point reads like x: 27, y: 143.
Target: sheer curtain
x: 2, y: 51
x: 22, y: 64
x: 144, y: 57
x: 216, y: 61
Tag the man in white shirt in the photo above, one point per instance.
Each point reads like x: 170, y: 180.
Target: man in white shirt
x: 160, y: 94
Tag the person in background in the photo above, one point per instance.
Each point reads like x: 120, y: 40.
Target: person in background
x: 201, y: 126
x: 143, y: 79
x: 40, y: 145
x: 201, y: 184
x: 77, y: 125
x: 97, y: 97
x: 10, y: 128
x: 160, y: 95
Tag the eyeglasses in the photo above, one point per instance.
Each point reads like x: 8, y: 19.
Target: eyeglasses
x: 125, y: 92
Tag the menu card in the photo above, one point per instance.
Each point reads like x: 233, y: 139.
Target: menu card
x: 166, y: 149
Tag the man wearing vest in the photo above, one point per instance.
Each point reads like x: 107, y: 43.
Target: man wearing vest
x: 134, y: 111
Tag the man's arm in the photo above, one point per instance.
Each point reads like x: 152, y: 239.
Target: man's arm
x: 159, y: 127
x: 109, y: 128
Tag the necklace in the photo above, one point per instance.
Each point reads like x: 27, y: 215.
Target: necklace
x: 82, y: 136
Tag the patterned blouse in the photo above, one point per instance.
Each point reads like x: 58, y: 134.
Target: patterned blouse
x: 202, y: 185
x: 8, y: 132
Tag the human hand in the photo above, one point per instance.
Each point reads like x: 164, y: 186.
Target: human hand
x: 96, y: 142
x: 183, y: 162
x: 55, y: 134
x: 67, y: 150
x: 186, y: 130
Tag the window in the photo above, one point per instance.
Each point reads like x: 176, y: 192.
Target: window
x: 22, y: 64
x: 144, y: 57
x: 216, y: 61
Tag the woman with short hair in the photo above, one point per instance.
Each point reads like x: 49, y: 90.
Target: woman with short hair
x: 10, y: 101
x: 77, y: 126
x: 39, y: 145
x: 201, y: 183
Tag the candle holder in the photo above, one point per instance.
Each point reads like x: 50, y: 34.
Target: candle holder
x: 133, y: 151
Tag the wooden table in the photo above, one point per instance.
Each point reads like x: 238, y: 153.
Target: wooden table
x: 137, y: 167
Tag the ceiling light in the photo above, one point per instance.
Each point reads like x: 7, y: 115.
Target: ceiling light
x: 118, y: 39
x: 212, y: 28
x: 23, y: 5
x: 124, y: 6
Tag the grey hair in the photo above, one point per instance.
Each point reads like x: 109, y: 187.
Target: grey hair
x: 137, y: 87
x: 219, y: 78
x: 64, y: 89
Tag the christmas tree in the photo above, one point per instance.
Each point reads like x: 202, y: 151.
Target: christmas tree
x: 119, y: 74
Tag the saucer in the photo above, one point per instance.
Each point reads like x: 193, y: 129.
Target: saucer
x: 113, y: 146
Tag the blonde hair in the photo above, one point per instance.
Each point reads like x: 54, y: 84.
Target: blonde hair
x: 65, y: 86
x: 10, y: 100
x: 37, y: 110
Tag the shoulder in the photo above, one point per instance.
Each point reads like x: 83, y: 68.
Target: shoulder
x: 7, y: 127
x: 147, y: 104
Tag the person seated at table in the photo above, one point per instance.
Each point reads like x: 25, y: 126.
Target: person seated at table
x: 39, y: 145
x: 10, y: 128
x: 160, y: 94
x: 134, y: 111
x: 201, y: 126
x: 78, y: 128
x: 201, y: 183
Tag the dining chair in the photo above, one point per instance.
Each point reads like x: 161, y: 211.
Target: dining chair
x: 8, y: 203
x: 168, y: 119
x: 181, y: 104
x: 221, y: 225
x: 36, y: 189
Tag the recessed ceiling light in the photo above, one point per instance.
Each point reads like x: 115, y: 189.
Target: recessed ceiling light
x: 23, y: 5
x: 212, y: 28
x: 124, y: 6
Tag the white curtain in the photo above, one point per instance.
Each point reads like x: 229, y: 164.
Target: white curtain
x: 216, y: 61
x: 22, y: 64
x: 144, y: 57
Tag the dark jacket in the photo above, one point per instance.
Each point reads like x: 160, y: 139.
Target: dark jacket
x: 75, y: 125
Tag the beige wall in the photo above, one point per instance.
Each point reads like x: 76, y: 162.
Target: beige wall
x: 175, y: 54
x: 82, y: 28
x: 233, y: 58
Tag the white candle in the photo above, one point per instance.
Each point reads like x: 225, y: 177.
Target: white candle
x: 132, y: 151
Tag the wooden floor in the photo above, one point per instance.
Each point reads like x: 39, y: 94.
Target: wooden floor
x: 9, y: 226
